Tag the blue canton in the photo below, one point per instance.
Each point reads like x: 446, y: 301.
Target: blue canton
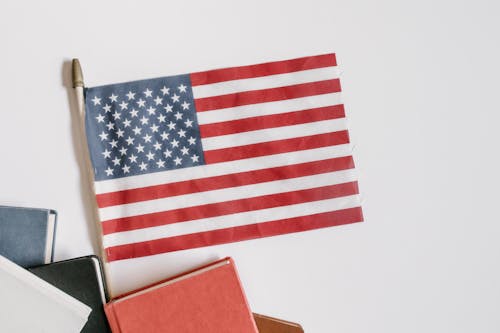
x: 141, y: 127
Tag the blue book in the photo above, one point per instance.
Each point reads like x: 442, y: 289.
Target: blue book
x: 27, y: 235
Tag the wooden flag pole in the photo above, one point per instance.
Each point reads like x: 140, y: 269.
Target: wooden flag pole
x: 78, y: 86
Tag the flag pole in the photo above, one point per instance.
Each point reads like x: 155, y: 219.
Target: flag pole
x: 79, y: 86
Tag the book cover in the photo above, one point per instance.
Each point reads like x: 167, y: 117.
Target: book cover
x: 83, y: 279
x: 209, y: 299
x: 30, y: 304
x: 27, y: 235
x: 266, y: 324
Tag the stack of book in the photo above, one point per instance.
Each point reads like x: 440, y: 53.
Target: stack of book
x: 39, y: 295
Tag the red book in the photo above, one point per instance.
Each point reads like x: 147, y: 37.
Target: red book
x: 208, y: 299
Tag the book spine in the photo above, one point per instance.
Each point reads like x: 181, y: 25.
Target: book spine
x: 54, y: 213
x: 249, y: 312
x: 109, y: 309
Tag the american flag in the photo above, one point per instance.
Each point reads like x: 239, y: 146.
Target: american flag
x: 220, y: 156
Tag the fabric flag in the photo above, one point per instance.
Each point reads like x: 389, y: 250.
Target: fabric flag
x: 220, y: 156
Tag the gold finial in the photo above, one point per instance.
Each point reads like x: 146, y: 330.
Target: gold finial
x: 77, y: 74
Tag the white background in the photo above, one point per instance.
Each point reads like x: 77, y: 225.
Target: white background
x: 420, y: 82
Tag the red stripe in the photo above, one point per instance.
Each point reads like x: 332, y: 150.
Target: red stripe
x: 270, y: 68
x: 224, y: 181
x: 276, y: 147
x: 267, y: 95
x: 271, y: 121
x: 228, y: 207
x: 235, y: 234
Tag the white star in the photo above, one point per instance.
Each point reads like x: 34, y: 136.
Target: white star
x: 147, y: 138
x: 141, y: 102
x: 134, y: 113
x: 168, y: 108
x: 109, y: 171
x: 158, y: 100
x: 137, y: 130
x: 185, y: 105
x: 124, y: 105
x: 100, y: 118
x: 116, y: 115
x: 130, y: 141
x: 103, y: 136
x: 182, y: 88
x: 189, y: 123
x: 175, y: 98
x: 164, y: 135
x: 106, y: 154
x: 116, y: 161
x: 150, y: 156
x: 154, y: 128
x: 107, y: 108
x: 182, y: 133
x: 113, y: 98
x: 126, y: 169
x: 96, y: 100
x: 161, y: 118
x: 126, y: 123
x: 178, y: 115
x: 160, y: 164
x: 143, y: 166
x: 175, y: 143
x: 192, y: 141
x: 195, y: 158
x: 157, y: 146
x: 140, y: 148
x: 114, y: 143
x: 165, y: 90
x: 167, y: 153
x: 120, y: 133
x: 148, y: 93
x: 110, y: 126
x: 130, y: 95
x: 171, y: 125
x: 133, y: 158
x: 144, y: 120
x: 178, y: 160
x: 151, y: 110
x: 123, y: 151
x: 185, y: 150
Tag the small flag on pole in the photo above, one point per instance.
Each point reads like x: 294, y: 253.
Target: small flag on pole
x: 220, y: 156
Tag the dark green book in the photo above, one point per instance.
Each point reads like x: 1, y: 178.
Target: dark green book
x: 83, y: 279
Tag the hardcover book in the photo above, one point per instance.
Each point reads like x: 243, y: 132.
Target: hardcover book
x: 267, y: 324
x: 30, y: 304
x: 209, y: 299
x: 83, y: 279
x: 27, y: 235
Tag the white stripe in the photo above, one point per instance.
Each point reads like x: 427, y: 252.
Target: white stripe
x: 268, y: 108
x: 218, y: 169
x: 232, y: 220
x: 265, y: 82
x: 273, y: 134
x: 226, y: 194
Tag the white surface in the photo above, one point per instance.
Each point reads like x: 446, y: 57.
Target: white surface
x: 30, y: 304
x: 420, y: 82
